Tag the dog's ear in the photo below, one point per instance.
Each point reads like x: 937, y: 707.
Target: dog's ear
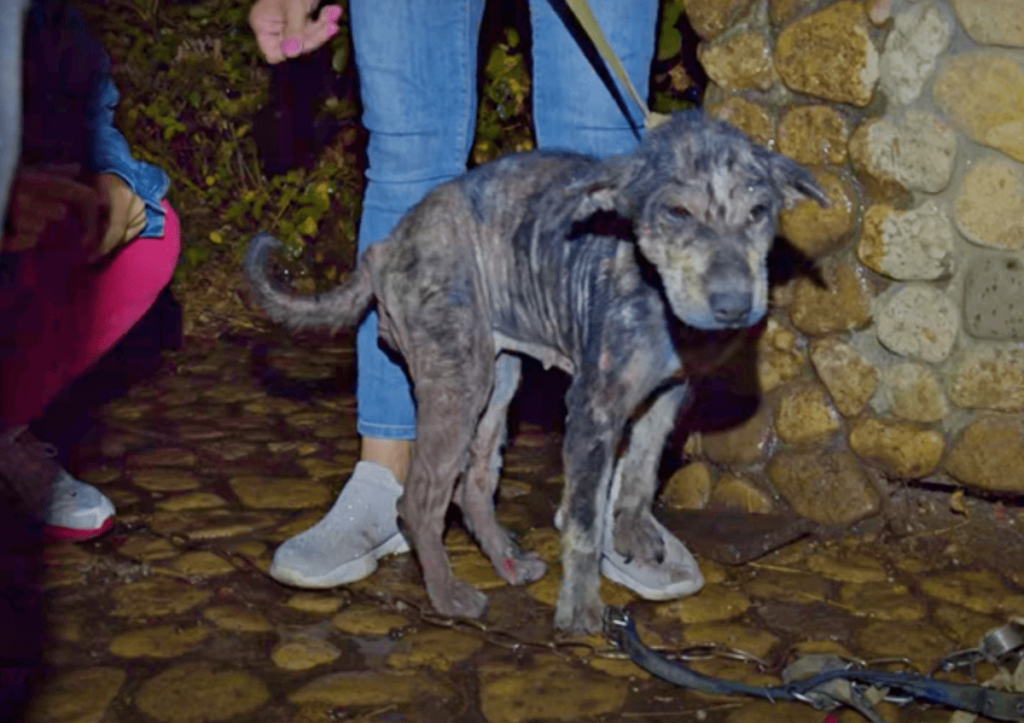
x: 796, y: 182
x: 604, y: 191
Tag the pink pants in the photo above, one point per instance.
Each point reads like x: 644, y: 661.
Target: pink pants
x: 62, y: 315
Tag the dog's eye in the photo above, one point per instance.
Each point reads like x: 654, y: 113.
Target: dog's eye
x: 758, y: 213
x: 679, y: 213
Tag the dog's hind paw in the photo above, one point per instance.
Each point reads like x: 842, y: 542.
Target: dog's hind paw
x: 458, y: 599
x: 520, y: 568
x: 637, y: 538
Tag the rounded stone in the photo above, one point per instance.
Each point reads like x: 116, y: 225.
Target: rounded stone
x: 907, y: 245
x: 201, y: 563
x: 847, y: 566
x: 303, y: 652
x: 145, y: 548
x: 164, y: 457
x: 989, y: 207
x: 848, y: 376
x: 713, y: 603
x: 286, y: 493
x: 746, y: 443
x: 710, y: 17
x: 237, y: 618
x: 689, y: 488
x: 913, y: 393
x: 367, y: 620
x: 473, y: 567
x: 200, y: 693
x: 79, y: 696
x: 829, y: 55
x: 779, y: 358
x: 916, y: 153
x: 435, y: 649
x: 992, y: 22
x: 790, y: 587
x: 752, y: 118
x: 993, y: 294
x: 368, y: 688
x: 923, y: 644
x: 985, y: 378
x: 164, y: 480
x: 734, y: 635
x: 842, y: 304
x: 983, y: 92
x: 547, y: 690
x: 192, y: 501
x: 981, y: 591
x: 803, y: 416
x: 741, y: 61
x: 156, y: 597
x: 829, y: 488
x: 920, y: 322
x: 162, y: 641
x: 904, y: 450
x: 315, y: 603
x: 736, y: 493
x: 989, y: 455
x: 917, y: 39
x: 882, y: 601
x: 814, y: 230
x: 814, y: 135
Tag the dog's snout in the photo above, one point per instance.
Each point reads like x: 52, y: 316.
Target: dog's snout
x: 730, y: 307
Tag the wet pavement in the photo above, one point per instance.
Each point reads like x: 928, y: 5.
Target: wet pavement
x: 234, y: 446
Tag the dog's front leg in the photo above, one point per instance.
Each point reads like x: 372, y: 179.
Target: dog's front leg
x: 591, y: 437
x: 636, y: 480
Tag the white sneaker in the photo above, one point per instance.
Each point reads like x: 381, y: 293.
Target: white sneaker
x: 343, y: 547
x: 77, y: 511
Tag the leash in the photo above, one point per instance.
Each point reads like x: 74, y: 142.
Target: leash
x: 835, y: 681
x: 581, y: 9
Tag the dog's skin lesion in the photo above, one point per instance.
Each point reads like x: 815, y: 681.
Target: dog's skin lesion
x: 576, y: 262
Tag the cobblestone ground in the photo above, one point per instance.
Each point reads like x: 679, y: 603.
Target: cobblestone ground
x: 234, y: 447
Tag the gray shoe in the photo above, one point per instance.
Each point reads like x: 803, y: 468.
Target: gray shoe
x: 343, y: 547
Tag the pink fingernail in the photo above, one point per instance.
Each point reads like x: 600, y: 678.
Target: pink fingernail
x: 291, y: 47
x: 332, y: 29
x: 332, y: 13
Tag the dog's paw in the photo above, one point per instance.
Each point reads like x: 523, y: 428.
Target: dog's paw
x: 520, y: 568
x: 637, y: 538
x: 579, y: 619
x: 458, y: 599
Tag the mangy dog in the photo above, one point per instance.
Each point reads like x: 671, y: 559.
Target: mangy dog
x: 508, y: 260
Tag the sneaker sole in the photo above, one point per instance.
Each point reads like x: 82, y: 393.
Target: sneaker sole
x: 668, y: 592
x: 69, y: 534
x: 351, y: 571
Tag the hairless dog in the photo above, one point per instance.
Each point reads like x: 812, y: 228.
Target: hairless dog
x: 576, y: 262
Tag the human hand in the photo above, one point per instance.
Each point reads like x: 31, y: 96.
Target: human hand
x: 126, y: 214
x: 42, y: 196
x: 284, y: 30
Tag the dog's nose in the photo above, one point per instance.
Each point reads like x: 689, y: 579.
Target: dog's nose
x: 730, y: 307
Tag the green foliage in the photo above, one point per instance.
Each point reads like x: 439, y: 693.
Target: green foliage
x: 503, y: 116
x: 191, y: 80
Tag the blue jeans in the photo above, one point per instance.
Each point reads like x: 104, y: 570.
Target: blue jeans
x: 417, y: 70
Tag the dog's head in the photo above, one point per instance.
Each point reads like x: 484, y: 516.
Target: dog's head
x: 704, y: 201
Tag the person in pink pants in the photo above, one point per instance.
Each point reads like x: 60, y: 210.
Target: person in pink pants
x: 88, y: 244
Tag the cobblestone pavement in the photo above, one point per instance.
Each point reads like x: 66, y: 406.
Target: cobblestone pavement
x: 234, y: 447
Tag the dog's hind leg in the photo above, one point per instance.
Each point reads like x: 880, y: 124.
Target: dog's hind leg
x: 476, y: 493
x: 452, y: 379
x: 636, y: 479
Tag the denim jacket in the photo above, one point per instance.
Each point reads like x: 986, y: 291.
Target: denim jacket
x: 69, y: 102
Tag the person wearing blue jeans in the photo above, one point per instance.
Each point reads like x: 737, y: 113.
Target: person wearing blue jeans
x: 417, y: 64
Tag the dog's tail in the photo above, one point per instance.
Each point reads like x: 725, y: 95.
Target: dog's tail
x: 342, y: 306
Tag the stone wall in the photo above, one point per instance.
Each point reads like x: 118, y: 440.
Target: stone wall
x: 901, y: 355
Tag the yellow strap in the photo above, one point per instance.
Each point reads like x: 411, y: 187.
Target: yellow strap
x: 586, y: 18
